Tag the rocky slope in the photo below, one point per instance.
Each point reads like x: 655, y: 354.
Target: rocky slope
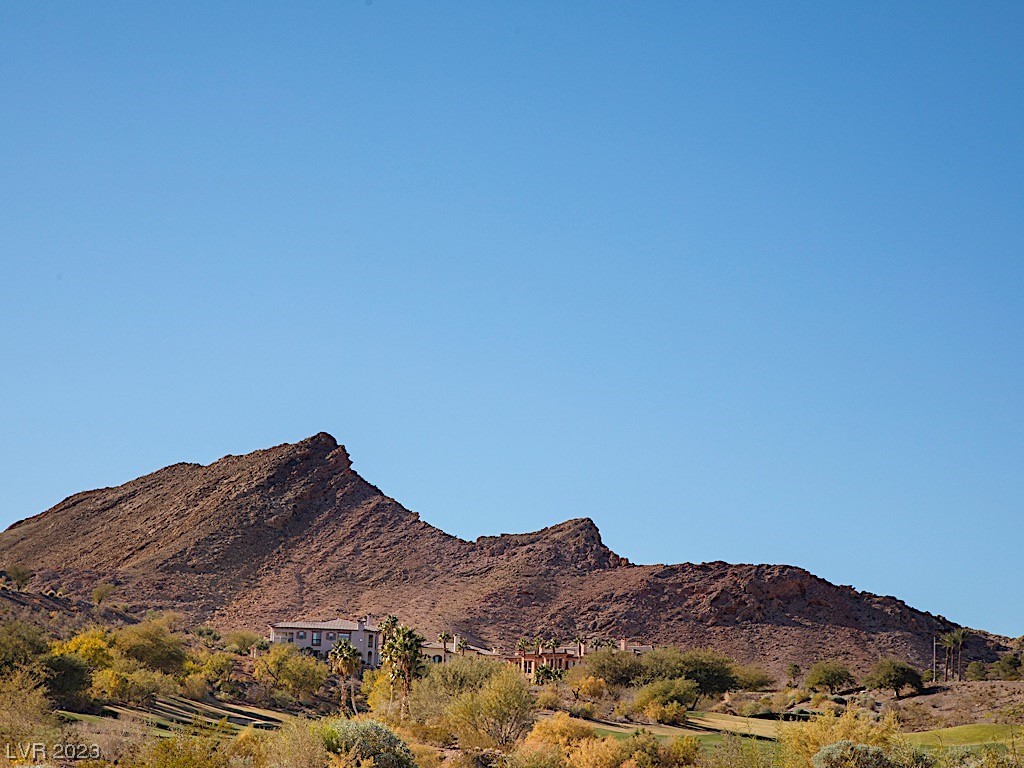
x: 294, y: 532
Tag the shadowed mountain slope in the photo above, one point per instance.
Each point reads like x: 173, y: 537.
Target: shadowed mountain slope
x: 294, y: 532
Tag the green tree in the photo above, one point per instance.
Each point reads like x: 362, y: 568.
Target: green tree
x: 285, y: 668
x: 152, y: 642
x: 615, y: 667
x: 894, y: 675
x: 67, y: 678
x: 498, y: 715
x: 831, y: 675
x: 20, y: 644
x: 793, y: 673
x: 461, y: 646
x: 20, y: 575
x: 712, y: 671
x: 750, y: 678
x: 101, y: 592
x: 977, y: 670
x: 444, y: 638
x: 345, y: 661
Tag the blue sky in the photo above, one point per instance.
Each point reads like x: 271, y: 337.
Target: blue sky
x: 738, y: 281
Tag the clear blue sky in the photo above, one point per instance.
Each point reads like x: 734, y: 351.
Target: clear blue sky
x: 738, y: 281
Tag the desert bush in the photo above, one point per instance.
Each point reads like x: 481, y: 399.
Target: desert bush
x: 977, y: 670
x: 801, y: 742
x: 242, y: 640
x: 431, y: 694
x: 585, y: 710
x: 684, y: 750
x: 93, y: 645
x: 152, y: 643
x: 101, y: 592
x: 131, y: 686
x: 285, y: 669
x: 737, y: 752
x: 666, y: 701
x: 560, y: 730
x: 533, y: 755
x: 549, y: 699
x: 179, y: 751
x: 751, y: 678
x: 366, y: 742
x: 298, y: 744
x: 20, y: 644
x: 712, y: 672
x: 425, y: 756
x: 25, y: 712
x: 846, y: 754
x: 596, y: 753
x: 497, y: 715
x: 195, y: 686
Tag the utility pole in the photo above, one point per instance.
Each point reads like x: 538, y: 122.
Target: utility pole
x: 933, y: 658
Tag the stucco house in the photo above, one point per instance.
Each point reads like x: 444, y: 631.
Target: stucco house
x: 319, y: 637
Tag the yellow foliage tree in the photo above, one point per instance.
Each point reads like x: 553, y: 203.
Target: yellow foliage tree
x: 800, y: 742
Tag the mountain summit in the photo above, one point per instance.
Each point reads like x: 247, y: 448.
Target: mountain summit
x: 294, y: 532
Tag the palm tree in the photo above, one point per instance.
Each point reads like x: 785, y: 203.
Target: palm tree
x: 522, y: 645
x: 387, y: 627
x: 444, y: 638
x: 960, y: 635
x: 538, y: 641
x: 551, y: 644
x: 461, y: 646
x: 404, y: 654
x: 581, y: 642
x: 948, y: 642
x: 345, y: 660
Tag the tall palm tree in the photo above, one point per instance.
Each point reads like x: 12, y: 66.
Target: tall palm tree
x: 580, y: 641
x: 387, y: 627
x: 461, y: 646
x: 551, y: 644
x: 444, y: 638
x: 960, y: 635
x: 345, y: 660
x: 404, y: 654
x: 522, y: 646
x: 948, y: 642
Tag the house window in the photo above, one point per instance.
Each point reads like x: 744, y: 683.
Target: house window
x: 316, y: 638
x: 437, y: 659
x: 330, y: 635
x: 302, y: 635
x: 291, y: 637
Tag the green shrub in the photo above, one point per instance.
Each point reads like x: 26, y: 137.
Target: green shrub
x: 894, y: 675
x: 666, y: 701
x: 846, y: 754
x: 364, y: 740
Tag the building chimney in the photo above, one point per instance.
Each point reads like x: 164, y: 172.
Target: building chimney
x: 361, y: 623
x: 622, y: 644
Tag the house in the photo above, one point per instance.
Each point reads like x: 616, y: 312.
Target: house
x: 434, y: 653
x: 319, y: 637
x: 564, y: 657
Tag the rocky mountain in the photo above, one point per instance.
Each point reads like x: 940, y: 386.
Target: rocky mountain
x: 294, y: 532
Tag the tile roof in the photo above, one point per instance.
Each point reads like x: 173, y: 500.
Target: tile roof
x: 335, y: 624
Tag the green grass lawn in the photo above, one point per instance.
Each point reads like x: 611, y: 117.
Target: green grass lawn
x: 977, y: 735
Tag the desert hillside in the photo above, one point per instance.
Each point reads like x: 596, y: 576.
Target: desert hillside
x: 293, y: 531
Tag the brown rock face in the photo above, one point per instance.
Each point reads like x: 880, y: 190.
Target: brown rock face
x: 294, y: 532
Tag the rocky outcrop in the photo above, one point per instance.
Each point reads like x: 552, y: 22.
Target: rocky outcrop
x: 293, y: 531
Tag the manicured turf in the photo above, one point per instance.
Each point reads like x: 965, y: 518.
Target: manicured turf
x: 970, y: 736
